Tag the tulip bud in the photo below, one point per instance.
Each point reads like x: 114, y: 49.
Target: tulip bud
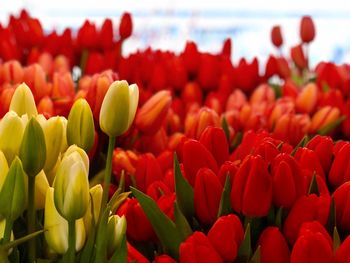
x: 307, y: 98
x: 56, y: 227
x: 324, y: 117
x: 33, y: 138
x: 55, y: 139
x: 307, y: 29
x: 11, y: 130
x: 81, y: 152
x: 309, y: 162
x: 287, y: 180
x: 343, y: 252
x: 298, y: 57
x: 125, y: 26
x: 23, y: 101
x: 118, y: 108
x: 273, y: 246
x: 12, y: 195
x: 207, y: 196
x: 276, y: 36
x: 226, y: 236
x: 71, y: 187
x: 251, y: 192
x: 197, y: 249
x: 11, y: 72
x: 341, y: 199
x: 163, y: 259
x: 116, y: 229
x: 323, y: 147
x: 2, y: 230
x: 41, y: 186
x: 93, y: 211
x: 80, y: 126
x: 151, y: 115
x: 340, y: 169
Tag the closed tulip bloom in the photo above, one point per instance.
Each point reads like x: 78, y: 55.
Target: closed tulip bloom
x: 340, y: 169
x: 227, y: 169
x: 11, y: 130
x: 273, y: 246
x: 207, y: 195
x: 323, y: 147
x: 71, y: 187
x: 309, y: 162
x: 45, y: 107
x: 343, y: 252
x: 135, y: 256
x: 4, y: 168
x: 93, y: 211
x: 214, y: 139
x: 198, y: 249
x: 35, y: 78
x: 75, y: 149
x: 226, y: 236
x: 263, y: 93
x: 196, y: 123
x: 116, y: 229
x: 342, y: 205
x: 124, y: 161
x: 125, y: 26
x: 152, y: 114
x: 307, y: 98
x: 323, y: 117
x: 312, y: 247
x: 118, y: 108
x: 251, y: 192
x: 287, y: 180
x: 23, y: 101
x: 41, y: 186
x: 80, y: 126
x: 56, y: 234
x: 307, y: 29
x: 196, y: 156
x: 298, y: 57
x: 276, y: 36
x: 315, y: 227
x: 11, y: 72
x: 306, y: 208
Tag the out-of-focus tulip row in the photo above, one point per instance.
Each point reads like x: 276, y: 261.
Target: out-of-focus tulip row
x: 225, y: 162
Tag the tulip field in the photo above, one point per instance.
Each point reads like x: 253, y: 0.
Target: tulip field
x: 162, y: 157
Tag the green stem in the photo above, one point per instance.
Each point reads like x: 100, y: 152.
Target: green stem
x: 31, y: 218
x: 8, y: 228
x: 108, y: 173
x: 71, y: 241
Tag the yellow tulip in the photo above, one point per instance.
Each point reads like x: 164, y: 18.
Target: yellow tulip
x: 11, y: 131
x: 23, y: 102
x: 71, y: 186
x: 4, y: 168
x: 56, y: 227
x: 93, y: 211
x: 116, y: 229
x: 41, y: 186
x: 118, y: 108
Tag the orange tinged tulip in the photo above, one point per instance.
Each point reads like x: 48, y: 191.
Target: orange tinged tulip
x: 323, y: 117
x: 307, y: 98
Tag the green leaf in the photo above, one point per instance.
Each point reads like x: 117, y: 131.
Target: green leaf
x: 164, y: 228
x: 101, y: 237
x: 21, y: 240
x: 278, y: 218
x: 226, y: 129
x: 225, y: 202
x: 87, y: 253
x: 277, y: 90
x: 114, y: 204
x: 256, y: 257
x: 302, y: 143
x: 121, y: 254
x: 331, y: 222
x: 245, y: 250
x: 336, y: 240
x: 313, y: 189
x: 181, y: 223
x: 236, y: 140
x: 184, y: 191
x: 331, y: 126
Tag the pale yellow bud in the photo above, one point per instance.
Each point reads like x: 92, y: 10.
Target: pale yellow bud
x: 23, y: 102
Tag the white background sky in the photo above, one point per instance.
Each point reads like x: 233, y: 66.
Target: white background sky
x: 167, y: 24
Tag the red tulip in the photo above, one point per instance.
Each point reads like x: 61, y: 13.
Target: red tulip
x: 309, y: 162
x: 251, y: 192
x: 134, y: 215
x: 198, y: 249
x: 207, y: 196
x: 125, y: 26
x: 135, y: 256
x: 342, y: 207
x: 323, y: 147
x: 227, y: 169
x: 35, y: 78
x: 87, y: 35
x: 227, y: 48
x: 307, y: 29
x: 94, y: 63
x: 298, y: 57
x: 158, y: 189
x: 276, y: 36
x: 340, y: 169
x: 273, y: 246
x: 312, y: 247
x: 106, y: 34
x: 226, y: 236
x: 11, y: 72
x: 196, y: 156
x: 247, y: 75
x: 214, y: 139
x: 191, y: 57
x: 323, y: 117
x: 124, y: 161
x: 208, y: 74
x: 306, y: 208
x: 147, y: 171
x: 46, y: 107
x: 287, y: 180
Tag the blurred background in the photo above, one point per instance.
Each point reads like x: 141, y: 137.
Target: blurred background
x: 167, y: 24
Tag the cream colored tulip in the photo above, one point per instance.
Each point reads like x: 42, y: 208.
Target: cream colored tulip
x: 93, y: 210
x: 23, y: 102
x: 118, y: 108
x: 56, y: 227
